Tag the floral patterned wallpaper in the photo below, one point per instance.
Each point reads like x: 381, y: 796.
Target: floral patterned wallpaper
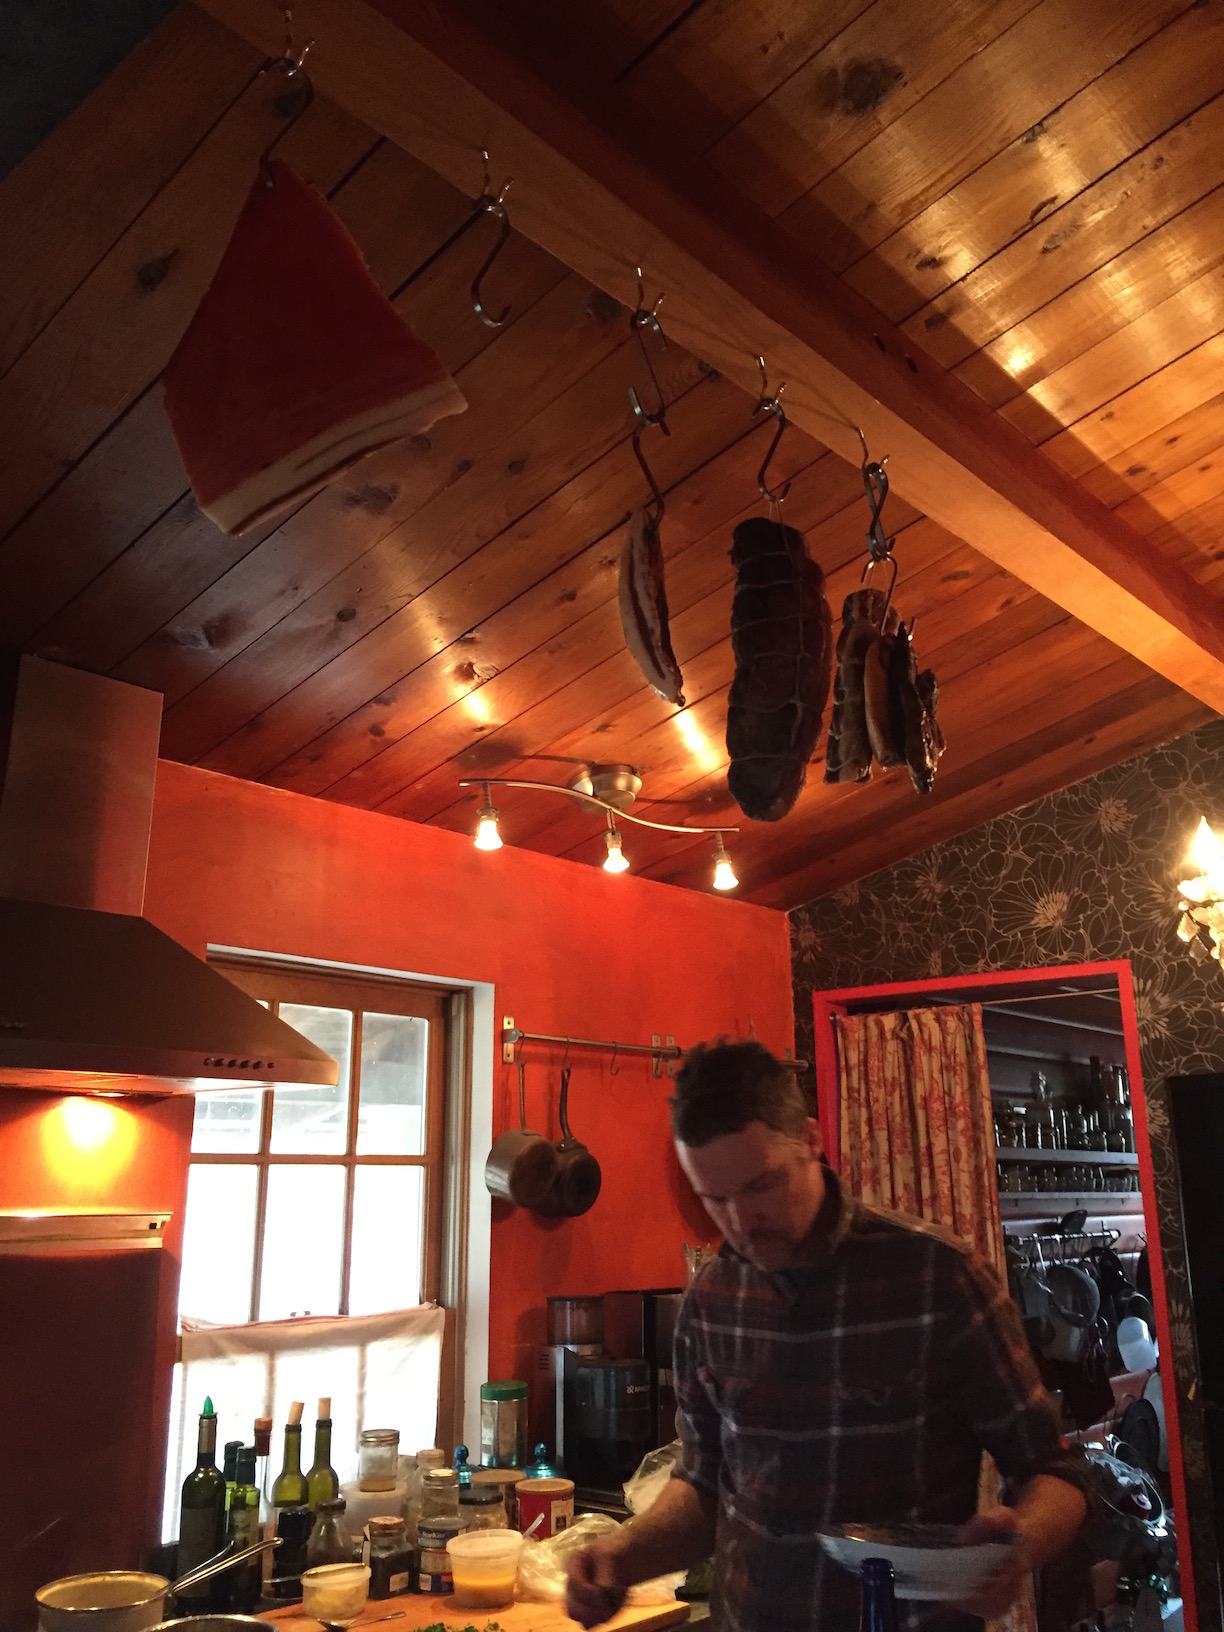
x: 1083, y: 875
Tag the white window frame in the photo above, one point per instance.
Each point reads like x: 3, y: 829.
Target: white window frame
x: 468, y: 1214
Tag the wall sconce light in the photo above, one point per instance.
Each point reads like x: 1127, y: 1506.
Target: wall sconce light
x: 611, y: 789
x: 487, y: 835
x: 1201, y: 899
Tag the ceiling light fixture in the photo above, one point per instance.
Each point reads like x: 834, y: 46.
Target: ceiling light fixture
x: 724, y: 873
x: 1201, y: 899
x: 487, y: 835
x: 616, y: 861
x: 611, y: 789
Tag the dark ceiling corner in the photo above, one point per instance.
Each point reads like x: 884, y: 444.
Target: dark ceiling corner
x: 53, y: 53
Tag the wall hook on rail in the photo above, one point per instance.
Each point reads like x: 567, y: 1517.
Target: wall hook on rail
x: 879, y: 545
x: 770, y: 406
x: 641, y: 319
x: 489, y: 203
x: 297, y: 95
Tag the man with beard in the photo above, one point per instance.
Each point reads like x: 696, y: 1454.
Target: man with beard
x: 834, y: 1364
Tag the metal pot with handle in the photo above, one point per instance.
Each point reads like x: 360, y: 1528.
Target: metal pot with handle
x: 522, y: 1165
x: 576, y: 1186
x: 125, y: 1600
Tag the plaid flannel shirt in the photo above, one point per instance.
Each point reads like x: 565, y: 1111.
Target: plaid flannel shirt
x: 860, y: 1390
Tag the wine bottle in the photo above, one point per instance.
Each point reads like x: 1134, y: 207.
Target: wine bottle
x: 322, y: 1483
x: 243, y: 1531
x: 879, y: 1612
x: 229, y: 1468
x: 202, y: 1510
x: 289, y: 1488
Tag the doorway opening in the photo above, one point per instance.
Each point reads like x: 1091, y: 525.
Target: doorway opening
x: 1058, y: 1040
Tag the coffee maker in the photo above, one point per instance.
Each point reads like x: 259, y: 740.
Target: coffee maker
x: 606, y: 1426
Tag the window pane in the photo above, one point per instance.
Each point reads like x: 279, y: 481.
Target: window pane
x: 218, y: 1243
x: 391, y: 1108
x: 227, y: 1121
x: 387, y: 1219
x: 310, y: 1121
x: 303, y: 1242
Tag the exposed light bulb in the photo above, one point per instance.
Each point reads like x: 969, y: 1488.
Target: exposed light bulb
x: 1207, y: 852
x: 616, y: 860
x: 724, y: 873
x: 487, y: 835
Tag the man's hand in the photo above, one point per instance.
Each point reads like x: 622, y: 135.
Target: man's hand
x: 595, y: 1590
x: 996, y: 1595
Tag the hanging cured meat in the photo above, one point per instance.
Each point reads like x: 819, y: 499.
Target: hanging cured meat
x: 782, y: 637
x: 643, y: 608
x: 914, y: 698
x: 296, y: 364
x: 849, y: 751
x: 882, y: 707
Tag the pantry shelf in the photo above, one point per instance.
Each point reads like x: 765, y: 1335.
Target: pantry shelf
x: 1069, y: 1158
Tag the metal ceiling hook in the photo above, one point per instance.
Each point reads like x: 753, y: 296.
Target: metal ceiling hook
x: 771, y: 405
x: 489, y: 203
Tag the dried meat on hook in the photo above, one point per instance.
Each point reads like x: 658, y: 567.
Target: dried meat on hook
x: 643, y: 599
x: 771, y: 407
x: 489, y: 203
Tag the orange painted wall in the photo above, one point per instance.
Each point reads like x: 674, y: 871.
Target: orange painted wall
x: 88, y: 1342
x: 568, y: 948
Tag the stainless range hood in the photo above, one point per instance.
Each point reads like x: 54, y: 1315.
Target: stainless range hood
x: 93, y: 997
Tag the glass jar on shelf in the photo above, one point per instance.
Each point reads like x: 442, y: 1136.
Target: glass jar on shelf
x: 378, y: 1458
x: 1019, y: 1121
x: 330, y: 1542
x: 391, y: 1557
x: 439, y: 1495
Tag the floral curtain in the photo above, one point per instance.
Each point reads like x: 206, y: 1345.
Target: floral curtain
x: 917, y: 1135
x: 916, y: 1128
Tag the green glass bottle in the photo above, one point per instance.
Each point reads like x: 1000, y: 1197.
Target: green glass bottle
x: 289, y: 1487
x: 322, y: 1482
x: 202, y: 1510
x: 229, y: 1468
x: 243, y: 1531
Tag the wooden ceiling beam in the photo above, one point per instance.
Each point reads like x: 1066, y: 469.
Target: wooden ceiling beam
x: 738, y: 285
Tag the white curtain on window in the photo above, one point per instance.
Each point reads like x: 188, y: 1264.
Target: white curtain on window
x: 381, y: 1371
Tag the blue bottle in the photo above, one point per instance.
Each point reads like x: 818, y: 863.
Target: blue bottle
x: 879, y: 1612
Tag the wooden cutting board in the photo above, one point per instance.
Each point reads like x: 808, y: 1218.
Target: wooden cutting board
x: 420, y: 1612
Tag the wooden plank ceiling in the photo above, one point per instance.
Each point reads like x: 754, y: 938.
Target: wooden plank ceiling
x: 1031, y: 190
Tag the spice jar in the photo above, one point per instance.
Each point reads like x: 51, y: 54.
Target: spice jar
x: 503, y: 1480
x: 378, y: 1453
x: 391, y: 1557
x: 481, y: 1508
x: 329, y: 1542
x: 439, y: 1495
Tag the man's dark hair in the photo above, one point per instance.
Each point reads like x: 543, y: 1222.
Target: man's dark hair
x: 722, y: 1087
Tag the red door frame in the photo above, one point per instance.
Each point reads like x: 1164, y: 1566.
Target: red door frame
x: 825, y: 1004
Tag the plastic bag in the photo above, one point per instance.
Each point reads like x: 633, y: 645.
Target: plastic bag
x: 653, y: 1474
x: 541, y: 1571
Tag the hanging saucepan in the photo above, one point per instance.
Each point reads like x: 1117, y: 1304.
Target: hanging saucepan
x: 576, y: 1186
x: 522, y: 1165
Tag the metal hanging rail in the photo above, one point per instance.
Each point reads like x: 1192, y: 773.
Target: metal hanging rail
x: 664, y: 1051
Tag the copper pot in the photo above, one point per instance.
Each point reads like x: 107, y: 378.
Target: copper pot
x: 522, y: 1165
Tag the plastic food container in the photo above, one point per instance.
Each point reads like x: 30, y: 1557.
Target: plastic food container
x: 335, y: 1593
x: 484, y: 1567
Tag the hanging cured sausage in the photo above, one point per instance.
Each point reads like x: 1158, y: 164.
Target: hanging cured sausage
x: 295, y: 364
x: 782, y: 638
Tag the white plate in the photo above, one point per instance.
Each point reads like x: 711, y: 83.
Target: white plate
x: 928, y: 1563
